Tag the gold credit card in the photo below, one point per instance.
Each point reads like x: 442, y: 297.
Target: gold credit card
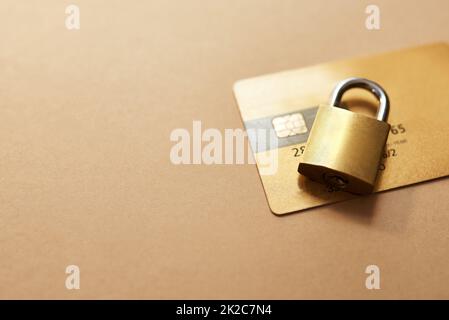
x: 285, y: 104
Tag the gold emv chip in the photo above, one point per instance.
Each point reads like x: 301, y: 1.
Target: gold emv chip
x: 289, y: 125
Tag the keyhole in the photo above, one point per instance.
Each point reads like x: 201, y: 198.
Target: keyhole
x: 335, y: 181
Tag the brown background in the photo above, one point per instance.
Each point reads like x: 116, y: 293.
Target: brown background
x: 85, y: 175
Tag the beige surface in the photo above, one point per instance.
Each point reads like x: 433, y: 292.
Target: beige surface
x: 85, y: 176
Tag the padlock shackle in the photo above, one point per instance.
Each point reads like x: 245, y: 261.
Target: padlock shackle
x: 369, y: 85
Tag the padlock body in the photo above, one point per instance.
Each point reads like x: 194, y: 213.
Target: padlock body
x: 344, y: 149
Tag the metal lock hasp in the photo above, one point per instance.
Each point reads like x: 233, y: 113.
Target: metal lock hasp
x: 344, y: 148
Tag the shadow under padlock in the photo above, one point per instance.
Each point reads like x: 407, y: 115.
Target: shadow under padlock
x: 360, y: 209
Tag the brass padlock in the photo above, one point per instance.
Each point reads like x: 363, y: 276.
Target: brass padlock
x: 344, y: 148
